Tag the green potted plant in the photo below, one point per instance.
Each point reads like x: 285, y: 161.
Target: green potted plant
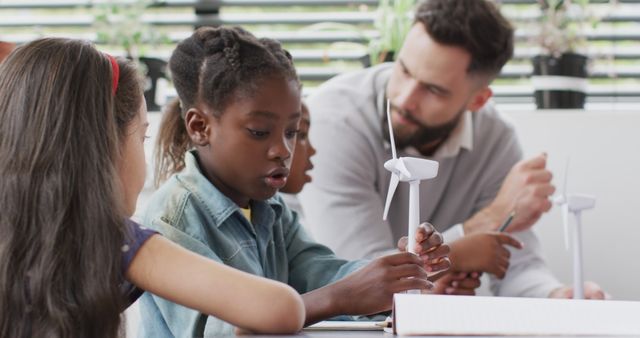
x: 121, y: 24
x: 560, y: 70
x: 393, y: 21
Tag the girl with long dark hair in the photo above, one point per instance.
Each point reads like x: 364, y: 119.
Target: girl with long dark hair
x: 71, y: 167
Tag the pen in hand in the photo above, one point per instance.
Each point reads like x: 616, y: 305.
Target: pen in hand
x: 508, y: 221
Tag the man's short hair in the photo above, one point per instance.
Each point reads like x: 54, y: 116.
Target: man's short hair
x: 474, y: 25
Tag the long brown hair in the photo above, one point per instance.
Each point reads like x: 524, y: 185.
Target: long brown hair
x: 61, y: 224
x: 213, y: 66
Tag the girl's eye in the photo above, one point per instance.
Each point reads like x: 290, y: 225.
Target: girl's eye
x: 291, y: 133
x: 258, y: 133
x: 435, y: 91
x: 405, y: 71
x: 302, y: 136
x: 146, y: 138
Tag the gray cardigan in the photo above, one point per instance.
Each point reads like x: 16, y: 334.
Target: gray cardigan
x: 344, y: 203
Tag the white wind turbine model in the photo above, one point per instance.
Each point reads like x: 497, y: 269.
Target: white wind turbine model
x: 575, y: 204
x: 412, y: 170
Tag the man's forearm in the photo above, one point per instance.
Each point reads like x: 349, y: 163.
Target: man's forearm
x: 487, y: 219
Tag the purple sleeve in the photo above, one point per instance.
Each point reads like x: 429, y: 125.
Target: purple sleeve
x: 137, y: 236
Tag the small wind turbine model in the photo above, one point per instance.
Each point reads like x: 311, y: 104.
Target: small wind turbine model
x: 412, y: 170
x: 575, y: 204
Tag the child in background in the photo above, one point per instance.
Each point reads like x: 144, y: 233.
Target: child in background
x: 71, y: 140
x: 300, y: 164
x: 229, y: 141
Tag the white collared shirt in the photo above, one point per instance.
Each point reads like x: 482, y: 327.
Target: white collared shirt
x: 460, y: 138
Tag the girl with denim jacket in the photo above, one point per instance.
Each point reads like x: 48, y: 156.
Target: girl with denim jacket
x: 228, y: 142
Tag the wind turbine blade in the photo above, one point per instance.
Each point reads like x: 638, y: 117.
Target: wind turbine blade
x: 565, y: 221
x: 391, y: 138
x: 393, y: 184
x: 400, y: 165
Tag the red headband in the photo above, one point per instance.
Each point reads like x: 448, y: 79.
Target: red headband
x: 115, y: 73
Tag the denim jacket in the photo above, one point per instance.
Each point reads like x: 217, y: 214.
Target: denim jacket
x: 190, y: 211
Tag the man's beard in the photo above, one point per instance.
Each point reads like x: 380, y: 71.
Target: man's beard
x: 424, y: 135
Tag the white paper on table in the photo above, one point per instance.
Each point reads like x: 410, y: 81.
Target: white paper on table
x: 340, y: 325
x: 469, y: 315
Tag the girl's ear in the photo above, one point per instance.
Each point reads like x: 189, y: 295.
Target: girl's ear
x: 197, y: 124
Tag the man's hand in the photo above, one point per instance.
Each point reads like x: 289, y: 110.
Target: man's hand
x: 525, y: 190
x: 429, y: 246
x: 457, y: 283
x: 483, y: 252
x: 591, y: 291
